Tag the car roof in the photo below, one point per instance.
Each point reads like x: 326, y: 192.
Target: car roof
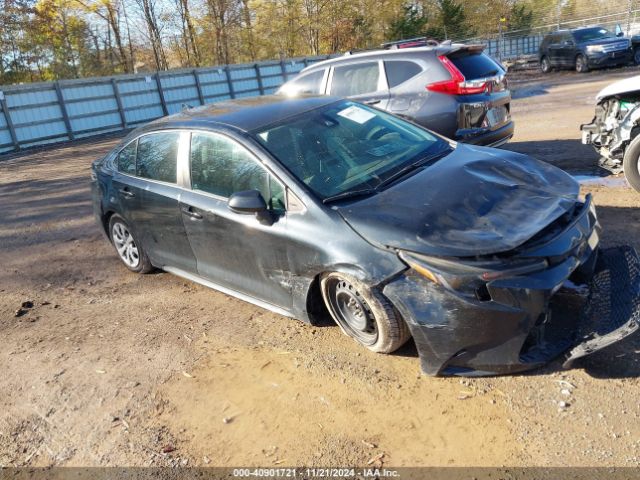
x: 386, y: 52
x: 440, y: 49
x: 245, y: 114
x: 571, y: 30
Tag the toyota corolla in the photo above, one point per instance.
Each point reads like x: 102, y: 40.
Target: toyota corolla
x: 320, y: 206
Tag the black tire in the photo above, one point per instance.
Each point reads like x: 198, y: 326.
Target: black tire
x: 581, y: 64
x: 128, y: 249
x: 371, y: 319
x: 630, y: 163
x: 636, y: 56
x: 545, y: 65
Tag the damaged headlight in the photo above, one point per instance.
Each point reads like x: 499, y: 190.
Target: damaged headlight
x: 468, y: 276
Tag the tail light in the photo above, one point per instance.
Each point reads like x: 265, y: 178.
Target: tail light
x: 457, y: 85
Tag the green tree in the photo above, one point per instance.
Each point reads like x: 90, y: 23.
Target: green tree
x: 520, y: 20
x: 410, y: 23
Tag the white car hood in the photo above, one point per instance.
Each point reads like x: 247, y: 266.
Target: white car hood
x: 627, y: 85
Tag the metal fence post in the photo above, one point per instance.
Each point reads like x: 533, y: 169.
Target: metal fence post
x: 285, y: 75
x: 63, y: 109
x: 256, y: 67
x: 227, y: 72
x: 161, y: 94
x: 116, y: 93
x: 198, y: 86
x: 7, y: 117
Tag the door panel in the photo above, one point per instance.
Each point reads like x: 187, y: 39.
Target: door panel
x: 364, y: 82
x: 235, y: 250
x: 151, y: 207
x: 567, y: 51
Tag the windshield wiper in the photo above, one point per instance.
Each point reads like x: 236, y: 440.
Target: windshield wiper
x: 350, y: 194
x: 412, y: 166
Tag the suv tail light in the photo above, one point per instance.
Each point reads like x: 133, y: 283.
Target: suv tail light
x: 457, y: 85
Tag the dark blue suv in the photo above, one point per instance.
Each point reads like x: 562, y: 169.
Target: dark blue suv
x: 584, y: 48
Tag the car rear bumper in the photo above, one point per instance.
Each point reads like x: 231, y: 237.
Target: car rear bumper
x: 485, y: 136
x: 578, y: 306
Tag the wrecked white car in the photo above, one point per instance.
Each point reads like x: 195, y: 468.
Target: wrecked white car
x: 615, y: 129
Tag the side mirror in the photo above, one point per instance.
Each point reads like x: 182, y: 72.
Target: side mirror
x: 250, y: 202
x: 620, y: 34
x: 247, y: 202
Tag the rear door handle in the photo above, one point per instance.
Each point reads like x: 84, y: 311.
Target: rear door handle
x: 188, y: 211
x: 127, y: 193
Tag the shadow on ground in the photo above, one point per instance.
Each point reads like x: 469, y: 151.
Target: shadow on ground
x: 570, y: 155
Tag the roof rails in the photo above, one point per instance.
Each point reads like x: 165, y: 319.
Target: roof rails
x: 412, y: 42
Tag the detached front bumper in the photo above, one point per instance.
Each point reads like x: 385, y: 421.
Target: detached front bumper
x: 582, y: 304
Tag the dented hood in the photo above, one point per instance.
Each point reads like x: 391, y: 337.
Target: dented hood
x: 621, y: 87
x: 475, y: 201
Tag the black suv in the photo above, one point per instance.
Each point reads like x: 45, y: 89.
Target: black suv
x: 453, y: 89
x: 584, y: 48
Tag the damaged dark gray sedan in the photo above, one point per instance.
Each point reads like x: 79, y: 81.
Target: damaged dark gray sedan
x: 314, y: 206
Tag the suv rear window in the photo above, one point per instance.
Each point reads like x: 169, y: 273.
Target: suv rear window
x: 475, y: 65
x: 399, y: 71
x: 357, y: 79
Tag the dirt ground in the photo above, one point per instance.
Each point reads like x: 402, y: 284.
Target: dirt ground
x: 111, y: 368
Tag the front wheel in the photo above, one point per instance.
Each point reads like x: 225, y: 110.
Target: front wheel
x: 581, y: 64
x: 363, y: 313
x: 545, y: 65
x: 636, y: 56
x: 631, y: 163
x: 128, y: 249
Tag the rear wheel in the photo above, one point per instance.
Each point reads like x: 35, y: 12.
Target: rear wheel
x: 363, y: 313
x: 636, y: 56
x: 581, y: 64
x: 631, y: 163
x: 545, y: 65
x: 128, y: 249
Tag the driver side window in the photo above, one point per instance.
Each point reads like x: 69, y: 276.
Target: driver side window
x: 222, y: 167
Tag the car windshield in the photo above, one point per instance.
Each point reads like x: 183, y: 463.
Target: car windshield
x: 589, y: 34
x: 346, y: 148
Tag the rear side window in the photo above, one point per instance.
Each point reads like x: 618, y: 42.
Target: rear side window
x: 400, y: 71
x: 222, y: 167
x: 309, y: 83
x: 475, y: 65
x: 157, y: 156
x: 127, y: 159
x: 357, y: 79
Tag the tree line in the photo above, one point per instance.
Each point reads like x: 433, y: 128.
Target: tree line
x: 56, y: 39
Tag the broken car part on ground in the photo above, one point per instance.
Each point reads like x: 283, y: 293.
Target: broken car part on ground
x: 615, y: 129
x: 489, y: 259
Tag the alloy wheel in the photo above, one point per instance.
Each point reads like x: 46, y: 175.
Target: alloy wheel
x: 545, y: 66
x: 125, y: 245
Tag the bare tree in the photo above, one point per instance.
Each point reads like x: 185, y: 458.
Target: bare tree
x: 189, y: 33
x: 151, y: 20
x: 108, y: 10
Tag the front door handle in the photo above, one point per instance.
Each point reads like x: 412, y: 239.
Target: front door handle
x: 127, y: 193
x: 372, y: 102
x: 188, y: 211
